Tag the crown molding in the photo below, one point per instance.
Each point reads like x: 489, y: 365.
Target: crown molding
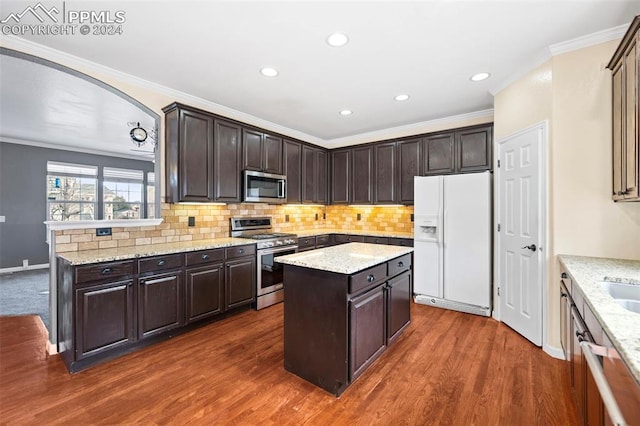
x: 588, y: 40
x: 26, y: 46
x: 536, y: 60
x: 483, y: 116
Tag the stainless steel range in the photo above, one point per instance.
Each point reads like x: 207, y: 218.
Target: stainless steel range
x: 269, y: 245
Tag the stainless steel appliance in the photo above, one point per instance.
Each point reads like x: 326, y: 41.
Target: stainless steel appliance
x: 270, y: 289
x: 264, y: 187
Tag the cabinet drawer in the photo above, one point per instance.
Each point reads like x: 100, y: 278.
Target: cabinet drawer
x: 240, y: 251
x: 376, y: 240
x: 204, y: 256
x: 306, y: 242
x: 405, y: 242
x: 367, y: 278
x: 341, y: 239
x: 322, y: 240
x: 399, y: 264
x: 102, y: 271
x: 160, y: 263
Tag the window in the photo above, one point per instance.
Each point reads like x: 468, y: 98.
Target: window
x: 151, y: 195
x: 122, y: 193
x: 71, y: 191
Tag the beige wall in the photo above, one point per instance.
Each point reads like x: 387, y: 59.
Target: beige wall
x: 573, y: 92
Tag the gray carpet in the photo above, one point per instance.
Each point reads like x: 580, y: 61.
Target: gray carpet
x: 25, y: 292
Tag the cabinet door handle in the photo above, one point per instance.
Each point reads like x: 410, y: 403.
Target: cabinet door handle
x: 371, y: 278
x: 563, y: 295
x: 205, y: 257
x: 106, y: 271
x: 400, y: 264
x: 563, y: 275
x: 241, y: 251
x: 162, y: 262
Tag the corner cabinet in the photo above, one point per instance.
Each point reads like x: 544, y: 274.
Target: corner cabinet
x: 624, y: 66
x: 202, y: 158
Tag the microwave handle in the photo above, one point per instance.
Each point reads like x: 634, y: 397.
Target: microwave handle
x: 281, y: 188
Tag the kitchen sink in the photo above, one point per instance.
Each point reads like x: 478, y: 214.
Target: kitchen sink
x: 625, y: 295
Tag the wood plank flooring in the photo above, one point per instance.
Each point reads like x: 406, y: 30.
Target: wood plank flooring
x: 447, y: 368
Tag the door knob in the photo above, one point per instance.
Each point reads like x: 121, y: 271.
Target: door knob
x: 532, y: 247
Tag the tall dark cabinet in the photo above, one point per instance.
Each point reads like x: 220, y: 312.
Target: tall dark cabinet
x: 409, y: 165
x: 227, y: 149
x: 385, y: 174
x: 314, y: 175
x: 362, y: 175
x: 292, y: 168
x: 340, y: 176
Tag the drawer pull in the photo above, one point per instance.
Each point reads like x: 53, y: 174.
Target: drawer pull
x: 241, y: 251
x: 106, y: 271
x: 162, y: 262
x: 400, y: 264
x: 371, y: 278
x: 205, y: 257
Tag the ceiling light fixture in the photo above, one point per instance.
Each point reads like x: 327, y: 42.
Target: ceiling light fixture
x: 346, y: 112
x: 401, y: 97
x: 269, y: 72
x: 480, y: 76
x: 337, y: 39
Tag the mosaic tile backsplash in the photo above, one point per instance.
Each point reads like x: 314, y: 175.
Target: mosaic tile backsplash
x: 212, y: 221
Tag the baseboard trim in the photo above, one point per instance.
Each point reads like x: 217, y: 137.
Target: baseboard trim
x: 554, y: 351
x: 21, y: 268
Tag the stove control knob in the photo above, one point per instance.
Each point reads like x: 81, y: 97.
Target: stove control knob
x: 269, y: 244
x: 279, y: 243
x: 289, y: 241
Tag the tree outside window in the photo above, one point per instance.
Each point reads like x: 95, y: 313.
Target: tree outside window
x: 71, y: 191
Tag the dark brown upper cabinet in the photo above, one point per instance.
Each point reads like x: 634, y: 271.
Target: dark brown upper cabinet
x: 314, y: 175
x: 189, y: 155
x: 625, y: 106
x: 261, y: 152
x: 409, y: 165
x: 385, y: 173
x: 340, y: 176
x: 438, y: 154
x: 292, y: 168
x: 473, y: 149
x: 227, y: 170
x: 362, y: 175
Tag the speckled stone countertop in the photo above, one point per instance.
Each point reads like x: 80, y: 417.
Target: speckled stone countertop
x: 346, y: 258
x: 621, y: 325
x: 125, y: 253
x: 314, y: 232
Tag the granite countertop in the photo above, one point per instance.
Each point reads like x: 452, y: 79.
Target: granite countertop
x: 346, y: 258
x: 621, y: 325
x: 314, y: 232
x: 125, y: 253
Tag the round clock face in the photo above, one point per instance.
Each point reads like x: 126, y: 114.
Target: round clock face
x: 138, y: 134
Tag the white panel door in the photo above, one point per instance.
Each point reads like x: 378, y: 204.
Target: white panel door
x: 467, y: 238
x: 520, y: 278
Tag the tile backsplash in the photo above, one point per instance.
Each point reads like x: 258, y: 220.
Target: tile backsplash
x: 212, y: 221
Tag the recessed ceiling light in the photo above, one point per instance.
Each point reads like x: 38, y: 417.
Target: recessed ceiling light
x: 269, y: 72
x: 346, y: 112
x: 401, y: 97
x: 337, y: 39
x: 480, y: 76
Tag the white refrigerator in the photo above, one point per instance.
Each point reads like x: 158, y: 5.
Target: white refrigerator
x: 452, y: 242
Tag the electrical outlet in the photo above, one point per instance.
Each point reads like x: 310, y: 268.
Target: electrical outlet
x: 103, y: 232
x: 286, y: 218
x: 25, y: 263
x: 324, y: 216
x: 411, y: 217
x: 192, y: 221
x: 316, y: 216
x: 358, y: 216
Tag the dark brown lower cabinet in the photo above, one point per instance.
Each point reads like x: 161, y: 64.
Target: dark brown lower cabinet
x: 367, y: 337
x: 240, y: 282
x: 336, y: 325
x: 205, y: 291
x: 104, y: 318
x: 160, y: 301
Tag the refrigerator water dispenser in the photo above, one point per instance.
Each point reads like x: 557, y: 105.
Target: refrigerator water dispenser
x: 426, y: 229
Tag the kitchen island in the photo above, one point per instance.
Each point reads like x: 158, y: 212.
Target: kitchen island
x: 344, y: 305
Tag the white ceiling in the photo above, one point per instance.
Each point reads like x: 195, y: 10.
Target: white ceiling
x: 428, y: 49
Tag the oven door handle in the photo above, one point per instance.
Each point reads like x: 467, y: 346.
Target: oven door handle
x: 277, y: 250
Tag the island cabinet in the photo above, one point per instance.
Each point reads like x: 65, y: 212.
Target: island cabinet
x: 626, y: 105
x: 337, y: 324
x: 110, y: 308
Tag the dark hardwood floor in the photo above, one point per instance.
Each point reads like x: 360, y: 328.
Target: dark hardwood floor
x: 447, y: 368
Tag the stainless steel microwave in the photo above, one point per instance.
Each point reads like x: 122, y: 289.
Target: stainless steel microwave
x: 264, y: 187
